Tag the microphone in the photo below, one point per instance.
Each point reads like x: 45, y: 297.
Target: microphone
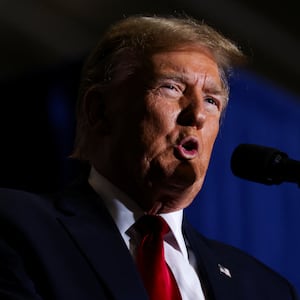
x: 264, y: 165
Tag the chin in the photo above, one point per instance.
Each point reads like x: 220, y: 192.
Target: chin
x: 185, y: 174
x: 172, y: 195
x: 176, y: 204
x: 175, y: 178
x: 182, y: 192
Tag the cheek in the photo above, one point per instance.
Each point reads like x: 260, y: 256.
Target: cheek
x: 209, y: 137
x: 159, y: 122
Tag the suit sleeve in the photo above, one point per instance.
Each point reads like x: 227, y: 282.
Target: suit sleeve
x: 15, y: 283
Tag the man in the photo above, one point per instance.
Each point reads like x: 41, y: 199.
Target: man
x: 151, y: 99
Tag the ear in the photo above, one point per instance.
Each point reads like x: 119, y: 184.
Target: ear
x: 95, y: 110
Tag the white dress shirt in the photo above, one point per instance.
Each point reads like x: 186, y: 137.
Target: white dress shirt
x: 125, y: 212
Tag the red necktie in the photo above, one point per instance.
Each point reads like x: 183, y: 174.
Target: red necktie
x: 158, y: 278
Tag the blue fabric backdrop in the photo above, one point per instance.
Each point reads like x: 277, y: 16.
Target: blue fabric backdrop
x: 262, y: 220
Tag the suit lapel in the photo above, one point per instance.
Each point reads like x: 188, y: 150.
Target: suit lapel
x: 98, y: 239
x: 215, y: 275
x: 95, y: 234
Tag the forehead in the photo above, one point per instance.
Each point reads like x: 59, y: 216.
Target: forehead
x: 189, y: 63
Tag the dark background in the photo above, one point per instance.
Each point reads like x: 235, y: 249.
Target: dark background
x: 39, y: 33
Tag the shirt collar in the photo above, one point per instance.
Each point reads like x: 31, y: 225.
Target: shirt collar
x: 125, y: 211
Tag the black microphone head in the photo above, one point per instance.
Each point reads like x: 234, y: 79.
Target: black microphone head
x: 258, y: 163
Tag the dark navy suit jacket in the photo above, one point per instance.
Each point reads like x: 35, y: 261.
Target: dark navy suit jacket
x: 67, y: 247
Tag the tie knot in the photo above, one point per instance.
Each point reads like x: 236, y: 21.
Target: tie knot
x: 152, y: 224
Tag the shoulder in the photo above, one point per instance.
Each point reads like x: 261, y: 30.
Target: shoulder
x: 10, y: 198
x: 247, y: 271
x: 31, y: 210
x: 225, y: 253
x: 24, y: 209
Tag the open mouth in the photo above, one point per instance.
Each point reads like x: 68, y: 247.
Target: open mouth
x: 188, y: 148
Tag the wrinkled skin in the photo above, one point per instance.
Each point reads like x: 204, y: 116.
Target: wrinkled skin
x: 160, y: 128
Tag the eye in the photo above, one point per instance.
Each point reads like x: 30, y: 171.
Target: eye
x: 217, y: 101
x: 167, y: 86
x: 211, y: 100
x: 213, y: 104
x: 171, y: 90
x: 171, y: 87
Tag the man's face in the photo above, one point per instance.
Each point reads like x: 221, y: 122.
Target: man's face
x: 163, y: 122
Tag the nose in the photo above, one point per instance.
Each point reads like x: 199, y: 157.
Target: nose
x: 193, y: 113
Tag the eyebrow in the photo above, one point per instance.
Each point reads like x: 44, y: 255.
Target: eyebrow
x: 212, y: 88
x: 180, y: 75
x: 181, y: 78
x: 173, y: 72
